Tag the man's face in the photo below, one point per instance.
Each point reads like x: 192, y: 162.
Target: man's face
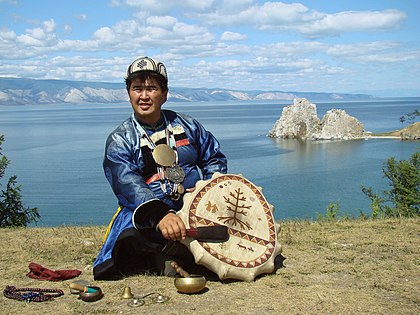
x: 146, y: 98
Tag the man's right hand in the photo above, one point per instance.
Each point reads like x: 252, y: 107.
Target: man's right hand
x: 172, y: 227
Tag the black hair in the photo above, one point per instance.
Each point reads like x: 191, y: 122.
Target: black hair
x: 147, y: 75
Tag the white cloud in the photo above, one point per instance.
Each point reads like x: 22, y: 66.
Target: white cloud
x: 49, y: 26
x: 163, y: 7
x: 219, y: 43
x: 162, y: 21
x: 232, y: 36
x: 279, y: 16
x: 27, y: 40
x: 265, y: 16
x: 358, y: 49
x: 43, y: 36
x: 255, y: 73
x: 155, y: 33
x: 373, y: 53
x: 290, y: 49
x: 124, y: 29
x: 195, y: 5
x: 7, y: 35
x: 153, y: 7
x: 105, y: 35
x: 368, y: 21
x: 391, y: 57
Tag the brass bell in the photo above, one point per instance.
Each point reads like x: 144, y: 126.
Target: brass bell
x: 127, y: 293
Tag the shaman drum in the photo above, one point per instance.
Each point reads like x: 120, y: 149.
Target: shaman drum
x: 235, y: 202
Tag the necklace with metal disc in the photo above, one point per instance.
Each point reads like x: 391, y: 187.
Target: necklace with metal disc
x: 175, y: 174
x: 164, y: 155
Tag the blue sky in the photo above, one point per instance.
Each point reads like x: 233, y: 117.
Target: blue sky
x: 312, y: 46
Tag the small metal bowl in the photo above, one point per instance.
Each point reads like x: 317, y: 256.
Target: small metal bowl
x: 82, y: 283
x: 191, y: 284
x: 91, y: 296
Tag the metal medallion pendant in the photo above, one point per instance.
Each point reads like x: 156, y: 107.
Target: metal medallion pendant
x: 181, y: 189
x: 175, y: 174
x: 164, y: 155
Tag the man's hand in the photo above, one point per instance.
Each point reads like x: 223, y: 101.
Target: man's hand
x: 172, y: 227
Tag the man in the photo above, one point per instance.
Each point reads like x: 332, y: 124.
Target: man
x: 150, y: 160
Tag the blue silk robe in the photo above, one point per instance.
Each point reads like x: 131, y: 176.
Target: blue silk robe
x: 128, y: 166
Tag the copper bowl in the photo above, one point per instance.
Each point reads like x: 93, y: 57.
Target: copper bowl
x: 91, y: 296
x: 191, y: 284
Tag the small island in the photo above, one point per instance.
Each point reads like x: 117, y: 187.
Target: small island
x: 300, y: 121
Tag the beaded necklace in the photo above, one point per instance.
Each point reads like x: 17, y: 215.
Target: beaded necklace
x: 32, y: 294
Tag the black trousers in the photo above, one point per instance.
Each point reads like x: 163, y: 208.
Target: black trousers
x: 142, y: 252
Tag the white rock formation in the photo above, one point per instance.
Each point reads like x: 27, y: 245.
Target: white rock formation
x: 337, y: 124
x: 300, y: 121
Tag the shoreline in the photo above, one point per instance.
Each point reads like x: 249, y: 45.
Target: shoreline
x: 383, y: 137
x: 411, y: 132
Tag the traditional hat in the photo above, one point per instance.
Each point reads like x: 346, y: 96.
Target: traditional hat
x: 147, y: 63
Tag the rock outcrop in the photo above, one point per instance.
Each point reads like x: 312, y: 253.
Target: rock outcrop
x: 300, y: 121
x: 337, y: 124
x: 411, y: 132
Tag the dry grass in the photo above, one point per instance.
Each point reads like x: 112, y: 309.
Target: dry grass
x: 363, y: 267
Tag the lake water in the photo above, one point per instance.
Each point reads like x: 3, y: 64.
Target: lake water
x: 56, y: 152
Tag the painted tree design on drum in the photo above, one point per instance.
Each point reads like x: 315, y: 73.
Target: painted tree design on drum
x: 237, y: 207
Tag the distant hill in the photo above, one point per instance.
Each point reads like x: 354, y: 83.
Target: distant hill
x: 18, y: 91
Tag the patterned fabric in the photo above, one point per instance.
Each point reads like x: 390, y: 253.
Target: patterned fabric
x: 128, y: 164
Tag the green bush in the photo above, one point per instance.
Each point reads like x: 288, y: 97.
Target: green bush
x: 12, y: 211
x: 331, y: 213
x: 403, y: 198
